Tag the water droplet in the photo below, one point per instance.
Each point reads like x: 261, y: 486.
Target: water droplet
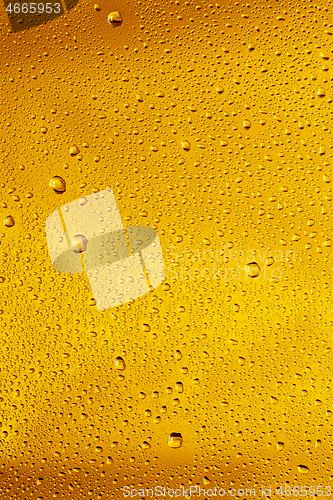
x: 252, y: 269
x: 43, y: 130
x: 74, y: 150
x: 119, y: 363
x: 219, y: 90
x: 269, y: 261
x: 58, y: 184
x: 175, y: 440
x: 279, y: 445
x: 236, y: 308
x: 321, y: 92
x: 146, y: 327
x: 178, y: 355
x: 98, y: 449
x: 9, y: 221
x: 79, y: 243
x: 97, y: 7
x: 246, y: 124
x: 115, y: 18
x: 186, y: 145
x: 303, y: 469
x: 250, y: 47
x: 179, y: 387
x: 145, y: 445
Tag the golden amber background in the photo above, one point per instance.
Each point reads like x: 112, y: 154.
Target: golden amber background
x: 253, y: 355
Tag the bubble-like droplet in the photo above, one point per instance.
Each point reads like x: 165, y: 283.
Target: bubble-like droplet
x: 175, y: 440
x: 58, y: 184
x: 179, y: 387
x: 279, y: 445
x: 115, y: 18
x: 186, y: 145
x: 303, y: 469
x: 9, y: 221
x: 321, y: 92
x: 97, y: 7
x: 79, y: 243
x: 246, y: 124
x: 119, y: 363
x: 250, y: 47
x: 252, y: 269
x: 178, y: 355
x: 269, y: 261
x: 74, y: 150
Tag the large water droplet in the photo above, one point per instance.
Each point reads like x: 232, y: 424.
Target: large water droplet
x: 58, y: 184
x: 252, y: 269
x: 115, y: 18
x: 185, y: 145
x: 179, y: 387
x: 246, y: 124
x: 279, y: 445
x: 175, y: 440
x: 74, y: 150
x: 9, y: 221
x: 79, y: 243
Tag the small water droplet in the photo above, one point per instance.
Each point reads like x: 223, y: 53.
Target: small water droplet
x: 252, y: 269
x: 186, y: 145
x: 9, y: 221
x: 175, y: 440
x: 79, y: 243
x: 58, y: 184
x: 321, y: 92
x: 279, y: 445
x: 246, y: 124
x: 250, y: 47
x: 178, y: 355
x: 303, y: 469
x: 269, y: 261
x: 119, y: 363
x: 236, y: 308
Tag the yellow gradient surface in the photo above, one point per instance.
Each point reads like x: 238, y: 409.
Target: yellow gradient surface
x: 212, y: 124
